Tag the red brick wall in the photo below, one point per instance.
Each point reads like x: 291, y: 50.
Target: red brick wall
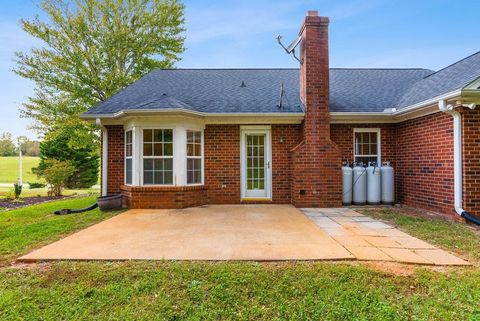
x: 342, y: 135
x: 424, y: 163
x: 471, y: 161
x: 164, y: 196
x: 281, y: 160
x: 115, y: 159
x: 222, y: 162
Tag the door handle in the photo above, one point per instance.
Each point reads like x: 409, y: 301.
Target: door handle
x: 268, y: 165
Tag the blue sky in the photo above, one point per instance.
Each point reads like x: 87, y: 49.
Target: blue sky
x: 224, y: 34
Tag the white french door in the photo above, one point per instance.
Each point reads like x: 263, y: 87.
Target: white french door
x: 256, y: 162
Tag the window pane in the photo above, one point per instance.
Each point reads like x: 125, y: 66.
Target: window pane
x: 128, y: 171
x: 189, y: 177
x: 168, y: 135
x: 190, y: 150
x: 158, y: 164
x: 157, y: 135
x: 147, y: 177
x: 198, y: 177
x: 148, y: 164
x: 168, y: 177
x: 157, y: 149
x: 168, y: 149
x: 168, y: 164
x: 147, y: 149
x: 198, y: 137
x: 190, y: 138
x: 197, y: 150
x: 158, y: 178
x: 147, y: 135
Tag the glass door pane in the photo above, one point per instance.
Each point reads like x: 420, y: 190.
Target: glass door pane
x: 255, y: 162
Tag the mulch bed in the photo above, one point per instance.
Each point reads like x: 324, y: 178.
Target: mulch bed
x: 27, y: 201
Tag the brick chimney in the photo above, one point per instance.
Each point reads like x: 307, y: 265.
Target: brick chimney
x: 316, y: 161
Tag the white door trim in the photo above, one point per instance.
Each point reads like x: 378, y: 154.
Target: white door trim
x: 244, y: 130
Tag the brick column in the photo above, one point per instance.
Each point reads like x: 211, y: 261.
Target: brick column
x: 115, y: 159
x: 316, y: 162
x: 471, y: 160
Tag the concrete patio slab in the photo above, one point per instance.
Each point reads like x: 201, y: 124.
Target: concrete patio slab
x: 244, y: 232
x: 220, y: 232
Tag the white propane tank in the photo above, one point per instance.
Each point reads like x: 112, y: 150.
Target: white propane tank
x: 373, y: 184
x: 388, y: 189
x: 347, y: 181
x: 359, y: 185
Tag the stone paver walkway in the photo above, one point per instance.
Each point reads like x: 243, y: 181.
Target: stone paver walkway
x: 371, y: 240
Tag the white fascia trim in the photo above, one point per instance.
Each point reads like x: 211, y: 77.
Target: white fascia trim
x: 356, y: 118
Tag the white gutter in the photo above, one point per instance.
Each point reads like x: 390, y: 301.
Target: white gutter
x: 457, y: 153
x: 104, y: 156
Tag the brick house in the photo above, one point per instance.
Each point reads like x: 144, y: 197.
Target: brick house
x: 188, y: 137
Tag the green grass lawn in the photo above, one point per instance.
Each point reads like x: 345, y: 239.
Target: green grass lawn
x: 9, y: 169
x: 26, y: 192
x: 229, y: 291
x: 24, y: 229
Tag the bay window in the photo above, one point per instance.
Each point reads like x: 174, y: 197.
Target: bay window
x: 194, y: 157
x: 366, y: 145
x: 168, y: 155
x: 158, y: 156
x: 128, y: 157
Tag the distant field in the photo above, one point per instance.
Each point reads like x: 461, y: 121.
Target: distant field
x: 9, y: 169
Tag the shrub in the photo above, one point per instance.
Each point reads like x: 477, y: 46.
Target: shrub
x: 56, y: 174
x: 17, y: 190
x: 36, y: 185
x: 85, y: 159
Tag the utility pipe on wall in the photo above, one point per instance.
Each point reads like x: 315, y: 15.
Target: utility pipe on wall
x: 458, y: 159
x: 104, y: 156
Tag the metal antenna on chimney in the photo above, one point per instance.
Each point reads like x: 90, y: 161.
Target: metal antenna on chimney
x: 291, y: 48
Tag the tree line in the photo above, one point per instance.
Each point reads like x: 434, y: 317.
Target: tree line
x: 10, y: 147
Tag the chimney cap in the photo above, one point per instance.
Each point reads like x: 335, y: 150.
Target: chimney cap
x: 312, y: 13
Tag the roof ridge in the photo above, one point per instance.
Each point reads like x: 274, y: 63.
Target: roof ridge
x: 452, y: 64
x: 284, y: 68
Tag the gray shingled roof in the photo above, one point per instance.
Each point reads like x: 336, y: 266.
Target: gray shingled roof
x: 351, y: 90
x: 448, y: 79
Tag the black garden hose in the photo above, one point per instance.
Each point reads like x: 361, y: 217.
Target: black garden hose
x: 69, y: 211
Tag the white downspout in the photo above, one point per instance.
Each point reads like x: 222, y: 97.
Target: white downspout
x: 104, y: 156
x: 457, y: 153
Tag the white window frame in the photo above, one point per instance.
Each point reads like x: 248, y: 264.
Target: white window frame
x: 142, y: 157
x: 128, y: 157
x: 379, y: 145
x: 201, y: 157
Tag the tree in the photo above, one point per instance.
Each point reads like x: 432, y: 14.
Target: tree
x: 7, y: 147
x: 85, y: 159
x: 91, y: 49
